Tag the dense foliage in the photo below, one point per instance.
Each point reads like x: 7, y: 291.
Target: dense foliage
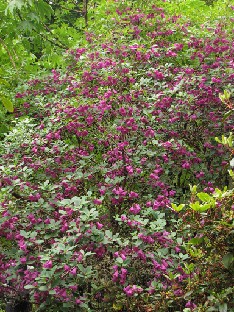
x: 33, y: 38
x: 116, y: 185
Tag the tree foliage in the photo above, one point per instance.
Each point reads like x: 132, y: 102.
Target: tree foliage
x: 33, y: 38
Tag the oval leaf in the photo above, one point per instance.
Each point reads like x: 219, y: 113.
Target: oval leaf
x: 7, y: 103
x: 227, y: 260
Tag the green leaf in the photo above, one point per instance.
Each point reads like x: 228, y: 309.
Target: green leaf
x: 204, y: 197
x: 44, y: 8
x: 14, y: 5
x: 67, y: 304
x: 228, y: 260
x: 205, y: 207
x: 195, y: 241
x: 81, y: 267
x: 199, y: 207
x: 7, y: 103
x: 29, y: 287
x: 33, y: 234
x: 26, y: 26
x: 223, y: 307
x: 3, y: 129
x: 108, y: 233
x: 227, y: 114
x: 56, y: 282
x: 177, y: 208
x: 195, y: 206
x: 117, y: 306
x: 24, y: 233
x: 193, y: 188
x: 52, y: 292
x: 187, y: 295
x: 39, y: 241
x: 119, y: 260
x: 43, y: 288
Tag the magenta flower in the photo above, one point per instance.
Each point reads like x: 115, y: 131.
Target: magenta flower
x: 99, y: 225
x: 66, y: 268
x: 73, y: 271
x: 78, y: 301
x: 97, y: 201
x: 115, y: 276
x: 23, y: 260
x: 48, y: 264
x: 190, y: 305
x: 131, y: 290
x: 186, y: 165
x: 133, y: 195
x: 135, y: 209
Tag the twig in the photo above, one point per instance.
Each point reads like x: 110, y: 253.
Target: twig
x: 85, y: 11
x: 9, y: 54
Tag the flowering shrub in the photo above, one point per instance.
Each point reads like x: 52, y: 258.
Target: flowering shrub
x: 92, y: 178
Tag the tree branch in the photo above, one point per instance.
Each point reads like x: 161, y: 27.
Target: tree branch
x: 9, y: 54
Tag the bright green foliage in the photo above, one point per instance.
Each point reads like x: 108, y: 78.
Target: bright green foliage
x: 33, y: 37
x: 199, y: 12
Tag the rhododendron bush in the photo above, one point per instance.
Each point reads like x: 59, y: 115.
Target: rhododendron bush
x: 98, y: 207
